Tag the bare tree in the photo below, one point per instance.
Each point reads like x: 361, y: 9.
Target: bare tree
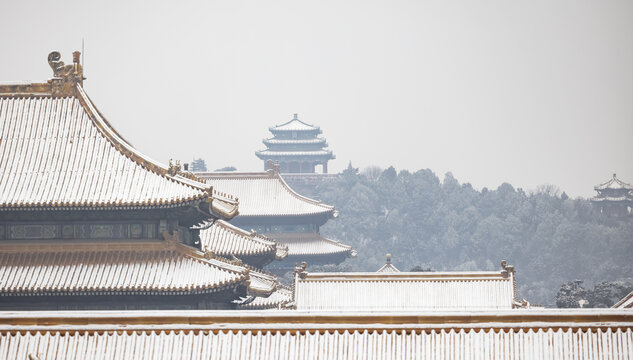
x: 372, y: 173
x: 548, y: 189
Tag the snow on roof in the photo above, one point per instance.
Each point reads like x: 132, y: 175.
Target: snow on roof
x: 225, y: 239
x: 294, y: 125
x: 309, y: 153
x: 278, y: 299
x: 265, y: 194
x: 147, y: 267
x: 60, y: 153
x: 311, y: 244
x: 271, y: 334
x: 275, y: 141
x: 625, y: 303
x: 383, y: 291
x: 614, y: 184
x: 388, y: 267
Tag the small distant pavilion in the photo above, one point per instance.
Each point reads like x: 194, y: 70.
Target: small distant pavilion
x: 297, y: 147
x: 615, y: 197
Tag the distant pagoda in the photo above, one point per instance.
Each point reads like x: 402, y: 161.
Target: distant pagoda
x: 615, y: 197
x: 297, y: 148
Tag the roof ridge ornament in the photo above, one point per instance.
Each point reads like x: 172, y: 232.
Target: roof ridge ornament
x: 65, y: 76
x: 301, y: 270
x: 295, y: 116
x: 273, y: 166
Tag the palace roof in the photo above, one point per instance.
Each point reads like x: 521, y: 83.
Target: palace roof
x: 388, y: 267
x: 278, y: 299
x: 294, y: 125
x: 614, y: 184
x: 125, y: 268
x: 391, y: 291
x: 265, y: 194
x: 224, y: 239
x: 517, y: 334
x: 262, y: 284
x: 311, y: 244
x: 625, y: 303
x: 59, y: 152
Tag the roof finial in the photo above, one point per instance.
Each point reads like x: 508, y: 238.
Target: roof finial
x: 64, y: 76
x: 614, y: 175
x: 296, y: 116
x: 388, y: 258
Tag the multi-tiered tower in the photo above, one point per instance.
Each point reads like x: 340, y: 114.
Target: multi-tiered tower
x: 297, y: 147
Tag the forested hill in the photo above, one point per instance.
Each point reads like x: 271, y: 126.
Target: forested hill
x: 445, y: 225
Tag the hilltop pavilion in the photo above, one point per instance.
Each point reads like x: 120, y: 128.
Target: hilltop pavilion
x: 615, y: 197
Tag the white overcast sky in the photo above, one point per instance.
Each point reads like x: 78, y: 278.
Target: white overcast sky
x: 526, y: 92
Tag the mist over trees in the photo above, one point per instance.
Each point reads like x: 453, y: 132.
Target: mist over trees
x: 448, y: 225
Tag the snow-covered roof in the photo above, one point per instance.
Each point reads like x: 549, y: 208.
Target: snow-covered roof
x: 311, y: 244
x: 278, y: 299
x: 388, y: 267
x: 225, y: 239
x: 275, y: 141
x: 265, y: 194
x: 625, y: 303
x: 92, y: 268
x: 294, y: 125
x: 272, y: 154
x: 614, y: 184
x: 59, y: 152
x: 390, y: 291
x: 278, y: 334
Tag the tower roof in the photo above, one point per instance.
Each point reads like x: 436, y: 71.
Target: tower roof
x: 614, y: 184
x: 294, y: 125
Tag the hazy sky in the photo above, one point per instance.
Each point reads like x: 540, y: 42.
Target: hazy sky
x: 526, y: 92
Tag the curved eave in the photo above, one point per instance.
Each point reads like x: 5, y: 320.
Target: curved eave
x: 622, y: 199
x: 619, y: 185
x: 299, y: 127
x: 274, y: 141
x: 224, y: 209
x: 192, y: 192
x: 327, y: 211
x: 238, y: 277
x: 271, y: 154
x: 215, y: 241
x: 128, y: 150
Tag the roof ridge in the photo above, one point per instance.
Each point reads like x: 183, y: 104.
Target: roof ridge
x: 130, y: 151
x: 295, y: 118
x: 301, y: 197
x: 431, y: 276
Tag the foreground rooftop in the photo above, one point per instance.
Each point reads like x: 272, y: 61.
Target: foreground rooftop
x: 517, y: 334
